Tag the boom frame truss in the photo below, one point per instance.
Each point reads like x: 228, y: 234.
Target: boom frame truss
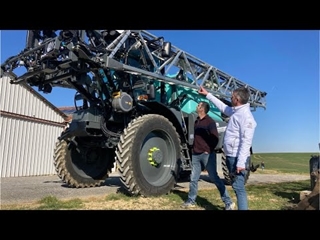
x: 102, y: 54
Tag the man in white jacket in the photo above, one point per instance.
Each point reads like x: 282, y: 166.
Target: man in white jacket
x: 237, y: 139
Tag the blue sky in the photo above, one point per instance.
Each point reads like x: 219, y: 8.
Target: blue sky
x: 283, y: 63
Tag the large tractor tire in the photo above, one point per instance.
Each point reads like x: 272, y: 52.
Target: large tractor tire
x: 147, y: 156
x: 225, y: 170
x: 80, y: 165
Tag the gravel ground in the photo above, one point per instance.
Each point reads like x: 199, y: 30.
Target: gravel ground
x: 30, y: 189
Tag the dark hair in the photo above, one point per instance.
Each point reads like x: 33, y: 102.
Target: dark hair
x: 243, y: 93
x: 205, y: 106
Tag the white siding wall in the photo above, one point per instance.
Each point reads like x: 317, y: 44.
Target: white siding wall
x: 17, y: 99
x: 26, y: 145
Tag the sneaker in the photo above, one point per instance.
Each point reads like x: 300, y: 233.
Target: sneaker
x: 230, y: 206
x: 188, y: 204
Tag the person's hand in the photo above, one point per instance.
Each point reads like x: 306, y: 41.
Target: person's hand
x: 239, y: 169
x: 202, y: 91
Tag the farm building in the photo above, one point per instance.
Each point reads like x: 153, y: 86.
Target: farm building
x: 30, y: 126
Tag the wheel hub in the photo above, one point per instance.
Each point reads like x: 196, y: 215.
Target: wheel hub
x: 155, y: 156
x: 91, y: 156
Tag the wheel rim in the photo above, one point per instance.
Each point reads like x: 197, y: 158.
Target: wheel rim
x: 89, y: 162
x: 157, y: 157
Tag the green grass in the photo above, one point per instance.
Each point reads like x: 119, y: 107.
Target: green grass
x: 52, y: 203
x: 294, y: 163
x: 276, y: 196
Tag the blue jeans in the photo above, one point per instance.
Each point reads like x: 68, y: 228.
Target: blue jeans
x: 214, y: 177
x: 197, y: 160
x: 238, y: 182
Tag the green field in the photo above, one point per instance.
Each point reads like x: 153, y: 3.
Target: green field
x: 294, y: 163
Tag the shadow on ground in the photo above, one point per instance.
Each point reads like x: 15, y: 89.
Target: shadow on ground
x: 201, y: 202
x: 112, y: 181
